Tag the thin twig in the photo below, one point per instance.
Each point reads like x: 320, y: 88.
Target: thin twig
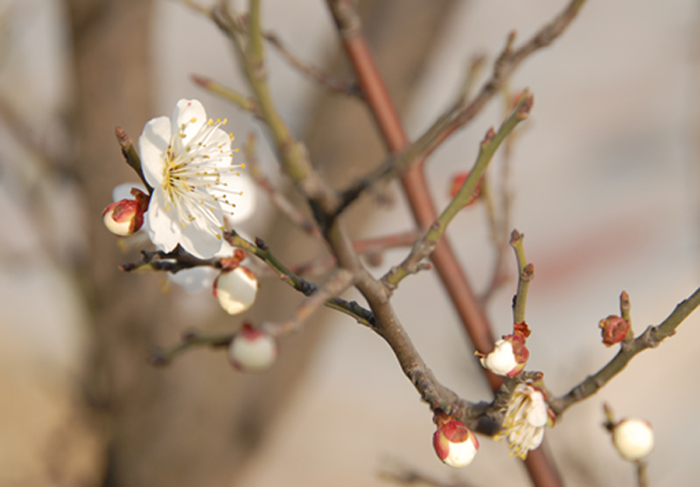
x: 334, y: 286
x: 526, y: 272
x: 651, y: 338
x: 261, y: 251
x: 457, y: 115
x: 243, y: 102
x: 278, y: 199
x: 312, y: 72
x: 190, y: 339
x: 427, y: 244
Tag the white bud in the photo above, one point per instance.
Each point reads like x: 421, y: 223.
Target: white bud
x: 455, y: 444
x: 236, y: 290
x: 501, y: 361
x: 633, y: 438
x: 252, y: 350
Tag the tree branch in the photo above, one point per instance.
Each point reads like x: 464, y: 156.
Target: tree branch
x: 651, y: 338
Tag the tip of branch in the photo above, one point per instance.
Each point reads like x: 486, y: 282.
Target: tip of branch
x: 527, y: 100
x: 515, y: 236
x: 490, y: 134
x: 201, y: 80
x: 157, y: 358
x: 123, y: 139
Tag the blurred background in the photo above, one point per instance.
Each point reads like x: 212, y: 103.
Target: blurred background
x: 604, y: 180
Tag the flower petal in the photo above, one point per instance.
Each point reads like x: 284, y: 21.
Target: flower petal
x: 153, y: 144
x: 191, y: 114
x: 161, y: 222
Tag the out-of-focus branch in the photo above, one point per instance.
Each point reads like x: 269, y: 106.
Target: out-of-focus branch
x: 190, y: 339
x: 243, y: 102
x: 278, y: 198
x: 407, y: 475
x: 459, y: 114
x: 324, y: 79
x: 427, y: 244
x: 292, y: 153
x: 651, y: 338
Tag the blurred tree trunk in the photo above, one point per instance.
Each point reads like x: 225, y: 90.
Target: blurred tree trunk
x: 195, y: 422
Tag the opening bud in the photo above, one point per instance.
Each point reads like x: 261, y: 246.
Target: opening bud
x: 613, y: 329
x: 125, y: 217
x: 633, y: 438
x: 236, y: 289
x: 509, y: 355
x: 455, y: 444
x: 252, y: 350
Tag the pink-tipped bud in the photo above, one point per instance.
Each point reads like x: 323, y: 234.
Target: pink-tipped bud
x: 509, y: 355
x: 633, y: 438
x: 455, y: 444
x: 236, y: 289
x: 124, y: 217
x: 456, y: 184
x: 613, y: 329
x: 252, y: 350
x: 501, y: 361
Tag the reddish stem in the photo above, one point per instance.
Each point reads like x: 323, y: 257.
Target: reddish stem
x: 541, y: 470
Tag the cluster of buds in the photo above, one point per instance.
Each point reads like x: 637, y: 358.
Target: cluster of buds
x: 456, y: 184
x: 252, y: 350
x: 455, y: 444
x: 236, y: 286
x: 510, y: 354
x: 613, y: 329
x: 525, y: 419
x: 125, y: 217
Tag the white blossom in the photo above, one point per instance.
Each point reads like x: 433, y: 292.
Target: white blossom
x: 525, y: 420
x: 188, y: 163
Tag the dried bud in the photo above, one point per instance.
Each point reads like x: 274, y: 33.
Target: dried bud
x: 613, y: 329
x: 124, y: 217
x: 633, y: 438
x: 236, y: 289
x: 458, y: 180
x: 252, y: 350
x: 455, y: 444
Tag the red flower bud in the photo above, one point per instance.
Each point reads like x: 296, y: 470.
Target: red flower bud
x: 455, y: 444
x: 613, y: 329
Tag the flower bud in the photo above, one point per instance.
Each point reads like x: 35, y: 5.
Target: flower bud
x: 124, y: 217
x: 252, y: 350
x: 613, y: 329
x: 502, y: 361
x: 455, y: 444
x: 236, y: 289
x: 510, y: 354
x: 633, y: 438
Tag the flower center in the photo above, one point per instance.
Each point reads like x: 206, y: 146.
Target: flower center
x: 196, y: 174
